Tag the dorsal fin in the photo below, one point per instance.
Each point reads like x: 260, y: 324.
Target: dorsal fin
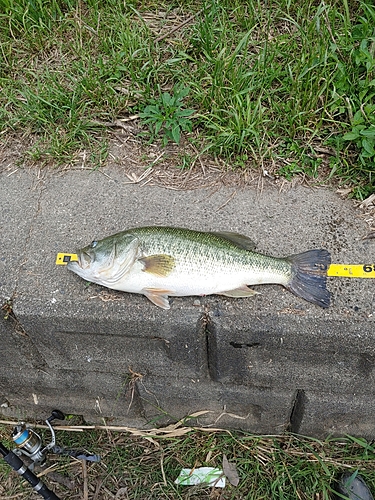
x: 238, y: 239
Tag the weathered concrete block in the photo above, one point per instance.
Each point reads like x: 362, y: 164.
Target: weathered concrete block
x: 323, y: 414
x: 142, y: 339
x: 258, y: 410
x: 272, y: 361
x: 19, y: 195
x: 95, y: 395
x: 286, y: 350
x: 16, y: 351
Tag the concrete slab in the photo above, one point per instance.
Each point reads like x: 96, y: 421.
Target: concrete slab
x: 227, y: 406
x: 337, y: 415
x: 69, y: 322
x: 16, y: 353
x: 79, y: 206
x: 95, y: 395
x: 126, y: 342
x: 286, y: 350
x: 19, y: 195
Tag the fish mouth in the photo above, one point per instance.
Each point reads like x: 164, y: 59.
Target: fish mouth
x: 72, y: 264
x: 83, y: 261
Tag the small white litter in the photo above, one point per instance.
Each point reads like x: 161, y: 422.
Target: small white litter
x: 202, y: 475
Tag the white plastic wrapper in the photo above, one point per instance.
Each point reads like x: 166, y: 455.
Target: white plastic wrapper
x: 202, y: 475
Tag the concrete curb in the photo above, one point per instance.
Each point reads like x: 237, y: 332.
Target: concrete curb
x: 265, y: 364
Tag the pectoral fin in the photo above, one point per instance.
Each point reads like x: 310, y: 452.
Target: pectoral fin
x: 240, y: 292
x: 160, y: 265
x: 158, y: 296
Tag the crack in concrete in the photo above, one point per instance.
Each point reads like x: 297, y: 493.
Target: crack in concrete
x: 209, y: 331
x: 297, y: 412
x: 238, y: 345
x: 24, y: 342
x: 27, y: 346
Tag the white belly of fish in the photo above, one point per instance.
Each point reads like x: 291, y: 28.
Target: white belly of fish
x: 183, y: 281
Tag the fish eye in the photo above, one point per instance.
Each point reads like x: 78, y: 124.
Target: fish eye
x: 93, y: 244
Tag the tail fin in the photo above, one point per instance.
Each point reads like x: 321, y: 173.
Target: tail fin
x: 309, y: 276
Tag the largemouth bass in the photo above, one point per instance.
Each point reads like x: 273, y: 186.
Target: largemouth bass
x: 165, y: 261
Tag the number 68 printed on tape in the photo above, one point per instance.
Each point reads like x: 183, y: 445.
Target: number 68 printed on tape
x: 352, y: 270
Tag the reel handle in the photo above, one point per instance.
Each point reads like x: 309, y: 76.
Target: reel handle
x: 56, y: 414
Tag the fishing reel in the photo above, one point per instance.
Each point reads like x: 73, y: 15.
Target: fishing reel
x: 30, y: 444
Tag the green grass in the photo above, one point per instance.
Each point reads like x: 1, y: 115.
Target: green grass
x: 285, y: 467
x: 272, y: 84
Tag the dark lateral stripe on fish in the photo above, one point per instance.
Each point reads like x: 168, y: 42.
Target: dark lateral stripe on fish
x: 309, y: 281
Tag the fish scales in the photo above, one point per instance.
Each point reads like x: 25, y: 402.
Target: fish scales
x: 206, y: 249
x: 163, y: 261
x: 209, y: 254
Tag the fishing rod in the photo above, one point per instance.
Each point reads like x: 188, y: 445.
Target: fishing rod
x: 17, y: 464
x: 30, y: 444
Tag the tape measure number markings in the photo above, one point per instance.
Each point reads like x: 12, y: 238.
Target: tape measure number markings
x: 352, y: 270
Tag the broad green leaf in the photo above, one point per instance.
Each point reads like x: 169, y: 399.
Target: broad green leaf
x: 169, y: 123
x: 368, y: 146
x: 185, y: 112
x: 166, y: 99
x: 369, y: 133
x: 176, y: 134
x: 370, y: 108
x: 358, y: 118
x: 186, y: 125
x: 351, y: 136
x: 182, y: 92
x: 158, y: 126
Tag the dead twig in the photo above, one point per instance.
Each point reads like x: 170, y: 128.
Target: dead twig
x: 228, y: 200
x: 134, y: 376
x: 162, y: 469
x: 179, y: 26
x: 85, y: 485
x: 120, y: 123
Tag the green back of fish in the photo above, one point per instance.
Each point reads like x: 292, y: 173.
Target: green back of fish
x: 206, y: 249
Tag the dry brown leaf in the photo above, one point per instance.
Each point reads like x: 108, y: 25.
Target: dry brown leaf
x: 230, y: 471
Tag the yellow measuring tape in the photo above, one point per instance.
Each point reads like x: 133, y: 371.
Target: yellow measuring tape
x: 352, y: 270
x: 340, y: 270
x: 63, y: 259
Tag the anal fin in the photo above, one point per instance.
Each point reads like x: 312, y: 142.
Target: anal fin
x: 242, y: 291
x: 158, y: 296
